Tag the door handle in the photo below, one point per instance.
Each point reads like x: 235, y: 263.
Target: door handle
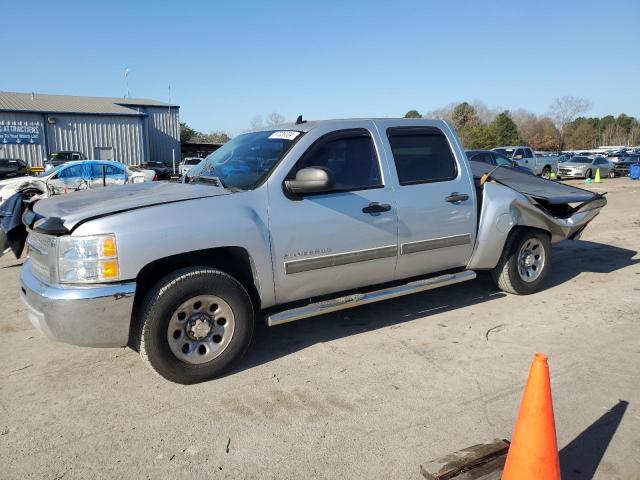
x: 456, y: 197
x: 376, y: 207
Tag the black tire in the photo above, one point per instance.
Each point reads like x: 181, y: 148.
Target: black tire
x: 612, y: 173
x: 587, y: 174
x: 546, y: 172
x: 31, y: 192
x: 506, y: 273
x: 161, y: 302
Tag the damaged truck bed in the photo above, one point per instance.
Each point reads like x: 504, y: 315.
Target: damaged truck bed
x: 508, y: 197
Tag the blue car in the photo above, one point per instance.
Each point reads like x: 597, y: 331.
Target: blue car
x: 495, y: 158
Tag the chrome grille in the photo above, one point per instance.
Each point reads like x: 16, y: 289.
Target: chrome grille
x: 42, y: 252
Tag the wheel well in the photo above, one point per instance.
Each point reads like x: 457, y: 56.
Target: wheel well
x: 518, y: 228
x: 232, y: 260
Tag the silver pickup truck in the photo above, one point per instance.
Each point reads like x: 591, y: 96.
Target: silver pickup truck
x: 283, y: 225
x: 525, y: 157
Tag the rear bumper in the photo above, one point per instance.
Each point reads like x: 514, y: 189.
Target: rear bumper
x: 92, y: 316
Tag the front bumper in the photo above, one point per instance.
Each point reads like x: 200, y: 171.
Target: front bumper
x: 92, y: 316
x: 572, y: 173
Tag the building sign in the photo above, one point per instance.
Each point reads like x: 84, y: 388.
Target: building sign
x: 16, y: 133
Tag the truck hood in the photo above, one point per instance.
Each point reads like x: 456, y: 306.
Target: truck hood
x: 77, y: 207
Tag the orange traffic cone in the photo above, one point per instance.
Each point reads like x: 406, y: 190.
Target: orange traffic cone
x: 533, y: 454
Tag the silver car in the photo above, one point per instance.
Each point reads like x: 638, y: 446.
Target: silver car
x: 585, y: 167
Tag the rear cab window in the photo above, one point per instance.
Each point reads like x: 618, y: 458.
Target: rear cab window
x: 421, y: 155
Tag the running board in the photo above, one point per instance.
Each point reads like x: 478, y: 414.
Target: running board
x: 357, y: 299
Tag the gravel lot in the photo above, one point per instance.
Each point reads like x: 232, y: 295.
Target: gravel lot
x: 365, y: 393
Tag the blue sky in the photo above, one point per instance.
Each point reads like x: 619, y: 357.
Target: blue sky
x: 228, y: 61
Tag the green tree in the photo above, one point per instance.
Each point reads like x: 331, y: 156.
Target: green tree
x: 465, y: 116
x: 215, y: 137
x: 504, y: 131
x: 412, y: 114
x: 186, y: 133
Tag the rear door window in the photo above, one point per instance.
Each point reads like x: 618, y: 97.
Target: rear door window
x: 421, y: 155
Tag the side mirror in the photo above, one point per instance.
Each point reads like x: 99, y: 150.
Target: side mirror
x: 518, y: 157
x: 310, y: 180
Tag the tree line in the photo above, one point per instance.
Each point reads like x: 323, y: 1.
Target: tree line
x: 564, y: 128
x: 190, y: 135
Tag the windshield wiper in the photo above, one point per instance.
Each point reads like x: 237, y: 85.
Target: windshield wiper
x: 208, y: 179
x: 217, y: 181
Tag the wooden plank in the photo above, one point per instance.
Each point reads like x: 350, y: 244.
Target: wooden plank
x: 492, y: 470
x: 459, y: 462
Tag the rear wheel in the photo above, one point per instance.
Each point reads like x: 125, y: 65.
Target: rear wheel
x: 194, y: 325
x: 587, y: 174
x: 612, y: 173
x: 525, y: 262
x: 546, y: 172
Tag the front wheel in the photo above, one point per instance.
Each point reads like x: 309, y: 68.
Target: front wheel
x: 194, y: 325
x: 525, y: 262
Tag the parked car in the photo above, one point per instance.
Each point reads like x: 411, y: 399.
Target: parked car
x: 187, y: 164
x: 525, y: 157
x: 495, y: 158
x: 60, y: 157
x: 585, y: 167
x: 12, y: 167
x: 290, y: 223
x: 619, y: 156
x: 162, y: 171
x: 622, y: 168
x: 149, y: 175
x: 75, y: 175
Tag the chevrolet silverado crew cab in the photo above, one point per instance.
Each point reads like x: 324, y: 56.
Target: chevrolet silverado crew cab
x: 283, y: 225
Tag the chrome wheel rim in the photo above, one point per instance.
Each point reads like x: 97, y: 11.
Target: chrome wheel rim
x: 200, y: 329
x: 531, y: 260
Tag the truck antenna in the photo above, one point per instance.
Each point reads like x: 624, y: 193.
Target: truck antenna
x: 299, y: 120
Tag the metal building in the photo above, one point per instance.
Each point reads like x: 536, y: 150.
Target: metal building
x: 128, y: 130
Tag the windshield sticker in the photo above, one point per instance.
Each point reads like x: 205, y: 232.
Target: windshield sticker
x: 284, y: 135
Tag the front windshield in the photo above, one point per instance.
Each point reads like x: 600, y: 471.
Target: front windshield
x: 507, y: 152
x: 52, y: 171
x: 247, y: 159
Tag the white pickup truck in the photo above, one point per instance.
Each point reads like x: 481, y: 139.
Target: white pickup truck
x: 285, y: 224
x: 525, y: 157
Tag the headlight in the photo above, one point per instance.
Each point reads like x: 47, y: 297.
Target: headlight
x: 90, y: 259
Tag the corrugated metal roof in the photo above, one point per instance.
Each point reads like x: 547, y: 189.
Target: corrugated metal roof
x: 40, y: 102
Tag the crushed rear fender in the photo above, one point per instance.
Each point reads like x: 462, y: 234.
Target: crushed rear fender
x: 504, y: 208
